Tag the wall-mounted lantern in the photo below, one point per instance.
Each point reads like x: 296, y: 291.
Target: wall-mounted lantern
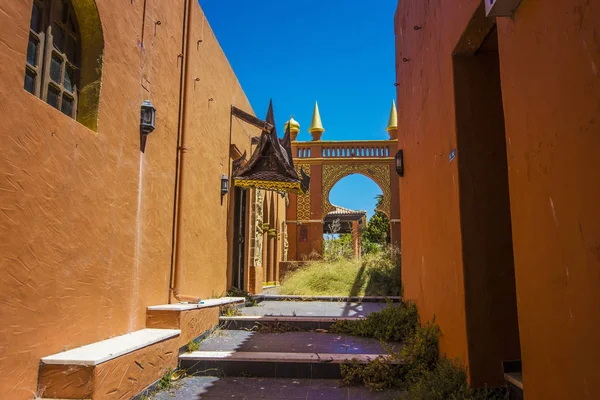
x: 400, y: 163
x: 148, y: 117
x: 224, y: 185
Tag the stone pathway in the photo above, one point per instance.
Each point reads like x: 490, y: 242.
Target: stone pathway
x: 291, y: 356
x: 286, y: 342
x: 196, y: 388
x: 312, y: 308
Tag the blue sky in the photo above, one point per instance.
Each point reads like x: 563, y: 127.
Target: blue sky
x: 339, y: 53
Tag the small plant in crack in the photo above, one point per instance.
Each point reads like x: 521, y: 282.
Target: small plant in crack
x: 230, y: 310
x: 193, y: 346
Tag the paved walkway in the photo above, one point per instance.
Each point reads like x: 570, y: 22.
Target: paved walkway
x: 313, y: 308
x: 298, y: 342
x: 196, y: 388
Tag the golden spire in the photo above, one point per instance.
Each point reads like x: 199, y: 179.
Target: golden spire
x: 393, y: 121
x: 293, y: 124
x: 316, y: 126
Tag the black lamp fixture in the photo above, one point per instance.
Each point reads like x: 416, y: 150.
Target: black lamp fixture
x: 224, y: 185
x: 400, y: 163
x: 148, y: 117
x: 147, y: 121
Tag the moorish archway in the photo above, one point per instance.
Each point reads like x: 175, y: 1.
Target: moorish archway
x: 379, y: 173
x: 327, y: 162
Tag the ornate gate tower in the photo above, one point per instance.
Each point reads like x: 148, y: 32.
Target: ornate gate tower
x: 327, y: 162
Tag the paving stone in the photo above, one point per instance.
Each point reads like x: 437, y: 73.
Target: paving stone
x: 313, y: 308
x: 298, y: 342
x: 197, y: 388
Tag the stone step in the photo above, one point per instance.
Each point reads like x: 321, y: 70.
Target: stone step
x: 252, y: 322
x: 270, y: 364
x: 310, y: 355
x: 514, y: 382
x: 338, y: 299
x: 204, y: 387
x: 192, y: 319
x: 314, y: 309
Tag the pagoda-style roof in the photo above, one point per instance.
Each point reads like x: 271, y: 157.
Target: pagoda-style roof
x: 345, y: 217
x: 271, y: 166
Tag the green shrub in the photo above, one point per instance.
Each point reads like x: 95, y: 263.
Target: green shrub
x: 420, y: 352
x: 393, y: 323
x: 383, y: 273
x: 416, y: 365
x: 446, y: 381
x: 377, y: 375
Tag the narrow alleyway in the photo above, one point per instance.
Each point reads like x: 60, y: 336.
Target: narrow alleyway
x: 279, y: 349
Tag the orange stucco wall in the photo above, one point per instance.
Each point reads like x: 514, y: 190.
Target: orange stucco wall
x: 431, y: 247
x: 550, y: 60
x: 549, y: 57
x: 86, y: 219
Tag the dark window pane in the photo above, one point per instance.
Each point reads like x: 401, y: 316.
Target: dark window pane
x: 35, y: 18
x: 29, y: 81
x: 32, y: 51
x: 55, y: 67
x: 59, y: 37
x: 53, y: 94
x: 68, y: 78
x: 67, y: 105
x: 71, y: 49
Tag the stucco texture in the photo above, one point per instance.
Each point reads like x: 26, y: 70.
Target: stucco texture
x: 432, y: 272
x: 549, y: 58
x: 85, y: 217
x: 549, y: 61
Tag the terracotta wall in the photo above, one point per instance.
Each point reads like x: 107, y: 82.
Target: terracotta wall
x: 432, y: 263
x: 85, y: 227
x: 550, y: 60
x: 212, y: 89
x: 549, y: 57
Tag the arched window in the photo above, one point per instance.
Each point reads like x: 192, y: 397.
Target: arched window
x: 53, y: 55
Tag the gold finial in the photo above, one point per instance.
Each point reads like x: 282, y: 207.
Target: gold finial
x: 293, y: 124
x: 316, y: 126
x: 393, y: 121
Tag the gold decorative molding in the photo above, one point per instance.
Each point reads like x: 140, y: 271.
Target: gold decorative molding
x: 286, y: 244
x: 303, y: 206
x: 293, y: 187
x: 379, y: 173
x: 257, y: 232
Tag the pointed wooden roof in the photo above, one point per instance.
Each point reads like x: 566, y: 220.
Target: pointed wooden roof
x: 271, y: 166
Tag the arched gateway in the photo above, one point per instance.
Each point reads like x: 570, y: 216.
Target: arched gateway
x: 327, y: 162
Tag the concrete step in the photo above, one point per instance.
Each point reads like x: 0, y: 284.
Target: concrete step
x: 269, y: 365
x: 337, y: 299
x: 213, y: 388
x: 333, y: 309
x: 514, y: 382
x: 192, y: 319
x: 257, y: 322
x: 309, y: 355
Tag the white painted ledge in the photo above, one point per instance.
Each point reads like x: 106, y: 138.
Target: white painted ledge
x: 335, y: 358
x: 192, y: 306
x: 99, y: 352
